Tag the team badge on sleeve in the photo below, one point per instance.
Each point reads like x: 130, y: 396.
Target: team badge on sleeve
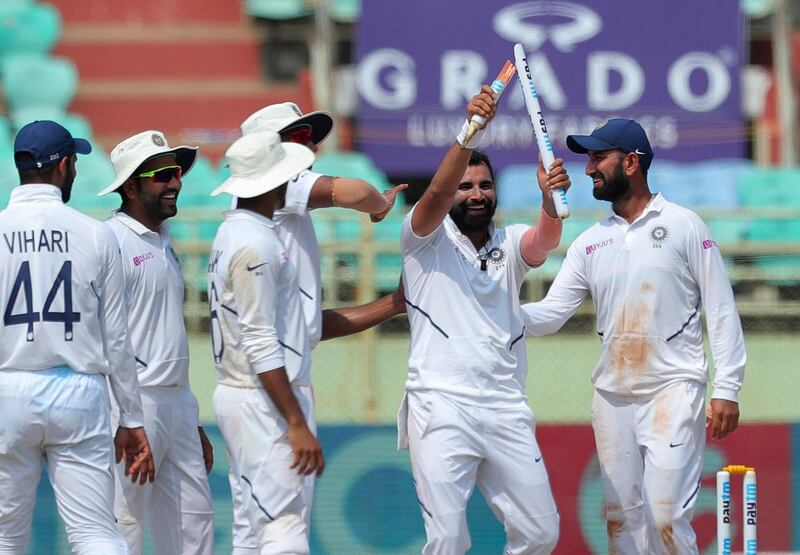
x: 658, y: 235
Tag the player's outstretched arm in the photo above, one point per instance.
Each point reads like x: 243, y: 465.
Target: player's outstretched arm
x: 438, y: 197
x: 346, y: 192
x: 131, y: 445
x: 307, y: 451
x: 538, y: 241
x: 340, y: 322
x: 565, y: 295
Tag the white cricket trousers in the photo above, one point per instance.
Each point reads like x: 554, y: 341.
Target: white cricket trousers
x: 271, y: 502
x: 177, y: 505
x: 63, y: 416
x: 453, y: 446
x: 651, y: 457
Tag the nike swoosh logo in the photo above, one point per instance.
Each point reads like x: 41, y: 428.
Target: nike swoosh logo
x: 537, y: 460
x: 637, y: 151
x: 251, y: 268
x: 676, y: 444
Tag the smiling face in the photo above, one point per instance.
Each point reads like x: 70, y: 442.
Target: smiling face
x: 475, y: 200
x: 157, y: 195
x: 606, y: 170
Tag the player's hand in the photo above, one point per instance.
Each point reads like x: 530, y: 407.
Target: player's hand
x: 723, y: 417
x: 556, y: 179
x: 482, y: 104
x: 208, y: 450
x: 131, y: 445
x: 391, y: 196
x: 307, y: 451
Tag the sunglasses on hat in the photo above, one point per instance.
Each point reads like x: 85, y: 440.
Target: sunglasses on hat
x: 300, y: 135
x: 163, y: 175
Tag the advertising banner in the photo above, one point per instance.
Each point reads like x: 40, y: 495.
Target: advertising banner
x: 673, y: 66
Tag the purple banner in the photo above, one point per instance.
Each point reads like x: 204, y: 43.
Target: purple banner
x: 673, y: 66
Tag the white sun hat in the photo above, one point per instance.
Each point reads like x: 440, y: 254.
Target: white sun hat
x: 134, y: 151
x: 285, y: 116
x: 260, y: 162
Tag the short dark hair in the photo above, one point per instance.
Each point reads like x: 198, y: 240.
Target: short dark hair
x: 479, y: 157
x: 34, y: 175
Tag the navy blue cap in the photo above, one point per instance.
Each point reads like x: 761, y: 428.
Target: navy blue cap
x: 615, y: 134
x: 48, y: 142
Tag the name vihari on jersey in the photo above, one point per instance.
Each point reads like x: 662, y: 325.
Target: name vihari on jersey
x: 36, y: 240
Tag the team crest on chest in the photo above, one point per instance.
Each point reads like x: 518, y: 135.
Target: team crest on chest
x: 496, y: 256
x: 658, y: 235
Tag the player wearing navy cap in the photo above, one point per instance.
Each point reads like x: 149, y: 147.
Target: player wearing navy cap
x: 64, y: 330
x: 651, y: 268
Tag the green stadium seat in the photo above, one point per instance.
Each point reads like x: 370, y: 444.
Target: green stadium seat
x: 76, y: 124
x: 9, y: 178
x: 388, y: 267
x: 572, y: 227
x: 778, y: 269
x: 94, y: 172
x: 33, y: 80
x: 549, y: 269
x: 345, y: 11
x: 198, y: 185
x: 351, y: 164
x: 772, y: 187
x: 28, y: 27
x: 277, y: 9
x: 728, y: 230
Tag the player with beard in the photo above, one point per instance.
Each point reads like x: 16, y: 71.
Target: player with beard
x: 177, y: 505
x: 649, y: 267
x: 465, y: 419
x: 64, y: 331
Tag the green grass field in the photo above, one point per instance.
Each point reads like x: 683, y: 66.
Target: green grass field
x: 349, y: 392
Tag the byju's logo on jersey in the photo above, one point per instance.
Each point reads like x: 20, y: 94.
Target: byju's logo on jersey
x: 599, y: 245
x: 138, y: 260
x: 516, y: 23
x: 658, y: 235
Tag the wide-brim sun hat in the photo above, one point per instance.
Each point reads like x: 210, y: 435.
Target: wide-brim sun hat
x: 260, y: 162
x: 131, y: 153
x: 286, y: 116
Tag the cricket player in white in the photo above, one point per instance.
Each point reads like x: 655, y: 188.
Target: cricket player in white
x: 178, y: 504
x: 64, y: 330
x: 465, y: 418
x: 651, y: 268
x: 261, y: 348
x: 309, y: 191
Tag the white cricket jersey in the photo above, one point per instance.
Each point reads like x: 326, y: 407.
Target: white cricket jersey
x: 154, y: 286
x: 63, y: 295
x: 257, y: 322
x: 296, y: 231
x: 649, y: 281
x: 467, y: 331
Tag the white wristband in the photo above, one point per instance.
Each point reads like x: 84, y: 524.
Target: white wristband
x: 474, y: 141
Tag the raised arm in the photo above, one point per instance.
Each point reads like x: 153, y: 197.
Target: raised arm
x: 438, y: 197
x: 346, y: 192
x: 538, y: 241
